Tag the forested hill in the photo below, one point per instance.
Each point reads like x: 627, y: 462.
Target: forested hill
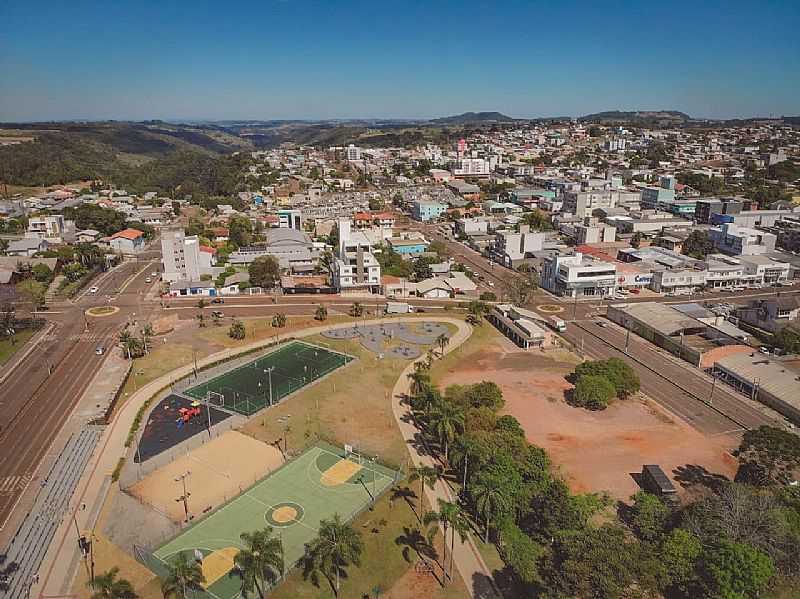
x: 62, y: 153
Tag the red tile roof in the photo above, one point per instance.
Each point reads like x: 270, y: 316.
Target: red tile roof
x: 131, y: 234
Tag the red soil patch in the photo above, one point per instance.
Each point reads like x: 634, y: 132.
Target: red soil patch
x: 595, y: 451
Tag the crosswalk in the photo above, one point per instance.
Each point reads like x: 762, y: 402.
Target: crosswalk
x: 11, y: 484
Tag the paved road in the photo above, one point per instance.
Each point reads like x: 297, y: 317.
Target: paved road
x: 39, y: 395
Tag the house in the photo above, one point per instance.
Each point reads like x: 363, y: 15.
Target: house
x: 231, y: 283
x: 127, y: 241
x: 27, y: 246
x: 523, y: 327
x: 409, y: 247
x: 771, y: 314
x: 87, y: 236
x: 192, y: 288
x: 425, y: 211
x: 52, y: 227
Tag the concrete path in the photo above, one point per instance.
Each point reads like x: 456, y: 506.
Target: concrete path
x: 58, y: 568
x: 474, y: 572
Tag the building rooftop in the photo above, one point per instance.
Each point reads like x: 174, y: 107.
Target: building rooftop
x: 774, y: 377
x: 131, y: 234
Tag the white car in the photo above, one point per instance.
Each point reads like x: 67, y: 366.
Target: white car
x: 93, y: 289
x: 148, y: 280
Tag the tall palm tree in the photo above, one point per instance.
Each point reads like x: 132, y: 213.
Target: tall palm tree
x: 461, y: 452
x: 427, y: 477
x: 451, y: 518
x: 420, y: 381
x: 185, y: 576
x: 260, y: 563
x: 490, y: 501
x: 446, y: 420
x: 125, y: 341
x: 337, y: 546
x: 108, y: 586
x: 321, y: 314
x: 442, y: 341
x: 147, y: 332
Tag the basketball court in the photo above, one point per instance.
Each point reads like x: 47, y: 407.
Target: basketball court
x: 323, y: 481
x: 269, y: 378
x: 218, y: 471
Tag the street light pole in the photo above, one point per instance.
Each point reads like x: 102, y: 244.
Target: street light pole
x: 185, y: 497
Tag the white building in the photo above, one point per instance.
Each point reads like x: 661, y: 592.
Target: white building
x: 353, y: 152
x: 595, y: 234
x: 578, y: 276
x: 290, y: 219
x: 127, y: 241
x: 473, y: 167
x: 51, y: 227
x: 584, y: 203
x: 356, y: 268
x: 741, y: 241
x: 183, y: 257
x: 510, y: 249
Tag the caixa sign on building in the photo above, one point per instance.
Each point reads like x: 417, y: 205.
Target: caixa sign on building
x: 635, y: 280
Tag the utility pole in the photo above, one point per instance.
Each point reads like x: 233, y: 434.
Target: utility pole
x: 269, y: 374
x: 627, y: 335
x: 185, y: 497
x: 713, y: 384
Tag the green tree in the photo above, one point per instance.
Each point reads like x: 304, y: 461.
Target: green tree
x: 42, y: 273
x: 680, y: 552
x: 73, y: 271
x: 184, y: 579
x: 260, y: 564
x: 422, y: 268
x: 237, y: 330
x: 521, y: 553
x: 264, y: 271
x: 443, y: 341
x: 537, y: 220
x: 240, y: 231
x: 522, y: 287
x: 336, y: 547
x: 451, y: 518
x: 491, y: 500
x: 593, y: 392
x: 446, y: 421
x: 427, y: 477
x: 636, y: 240
x: 356, y: 310
x: 735, y: 571
x: 32, y: 291
x: 648, y: 516
x: 617, y: 371
x: 788, y: 339
x: 108, y: 586
x: 698, y: 245
x: 321, y: 313
x: 279, y: 320
x: 768, y: 456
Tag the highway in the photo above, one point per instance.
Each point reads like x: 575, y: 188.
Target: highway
x: 40, y: 394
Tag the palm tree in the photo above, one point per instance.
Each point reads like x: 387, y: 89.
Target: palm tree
x: 321, y: 314
x: 279, y: 320
x: 460, y: 453
x: 420, y: 381
x: 201, y: 320
x: 326, y: 261
x: 427, y: 477
x: 451, y: 517
x: 446, y: 420
x: 429, y: 356
x: 442, y: 341
x: 490, y: 500
x: 337, y: 546
x: 260, y: 563
x: 185, y: 576
x: 356, y: 310
x: 125, y: 341
x: 108, y: 586
x: 147, y: 332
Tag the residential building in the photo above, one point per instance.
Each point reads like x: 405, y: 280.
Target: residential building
x: 472, y: 226
x: 595, y: 233
x: 127, y: 241
x: 353, y: 152
x: 27, y: 246
x: 770, y: 314
x: 741, y: 241
x: 293, y: 249
x: 184, y: 258
x: 408, y: 247
x: 290, y: 219
x: 578, y: 276
x: 424, y: 211
x: 584, y: 203
x: 511, y: 248
x: 355, y: 268
x: 52, y: 227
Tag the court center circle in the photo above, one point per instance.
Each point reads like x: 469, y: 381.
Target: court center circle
x: 284, y: 514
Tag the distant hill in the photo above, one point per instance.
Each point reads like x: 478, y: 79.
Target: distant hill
x: 474, y: 117
x: 637, y: 115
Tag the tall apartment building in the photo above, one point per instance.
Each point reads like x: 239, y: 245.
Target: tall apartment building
x: 356, y: 268
x: 290, y: 219
x: 353, y: 152
x: 511, y: 249
x: 183, y: 257
x: 741, y: 241
x: 584, y: 203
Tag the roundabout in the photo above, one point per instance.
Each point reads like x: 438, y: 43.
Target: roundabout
x: 550, y: 308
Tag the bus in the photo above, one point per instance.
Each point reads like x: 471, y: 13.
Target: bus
x: 557, y: 323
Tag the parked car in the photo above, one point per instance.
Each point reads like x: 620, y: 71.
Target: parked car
x: 217, y: 314
x: 148, y: 280
x: 217, y: 300
x: 93, y: 290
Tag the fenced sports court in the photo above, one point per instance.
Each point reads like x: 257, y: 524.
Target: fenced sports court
x: 322, y: 481
x: 266, y: 380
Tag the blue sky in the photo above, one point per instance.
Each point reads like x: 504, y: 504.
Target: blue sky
x: 383, y: 58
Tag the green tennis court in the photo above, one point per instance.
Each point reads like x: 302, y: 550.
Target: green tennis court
x: 269, y: 378
x: 292, y: 500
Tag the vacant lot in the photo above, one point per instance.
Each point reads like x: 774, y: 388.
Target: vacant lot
x: 596, y: 451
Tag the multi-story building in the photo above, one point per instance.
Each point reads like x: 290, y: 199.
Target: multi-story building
x: 424, y: 211
x: 578, y: 276
x: 290, y: 219
x: 473, y: 167
x: 584, y: 203
x: 184, y: 258
x: 763, y: 270
x: 510, y: 249
x: 677, y: 281
x: 355, y: 268
x: 353, y: 152
x: 595, y: 233
x: 51, y: 227
x: 292, y: 248
x: 741, y: 241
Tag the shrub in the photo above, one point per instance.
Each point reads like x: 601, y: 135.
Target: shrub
x: 594, y: 392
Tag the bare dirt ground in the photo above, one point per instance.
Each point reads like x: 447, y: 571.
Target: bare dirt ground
x: 220, y: 469
x: 595, y: 451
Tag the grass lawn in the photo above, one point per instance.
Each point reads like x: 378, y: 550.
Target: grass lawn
x: 382, y: 563
x: 7, y: 349
x: 351, y: 406
x: 163, y: 358
x: 480, y: 337
x: 257, y: 329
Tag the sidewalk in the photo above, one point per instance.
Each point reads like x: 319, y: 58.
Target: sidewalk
x: 470, y: 564
x: 7, y: 368
x: 58, y: 568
